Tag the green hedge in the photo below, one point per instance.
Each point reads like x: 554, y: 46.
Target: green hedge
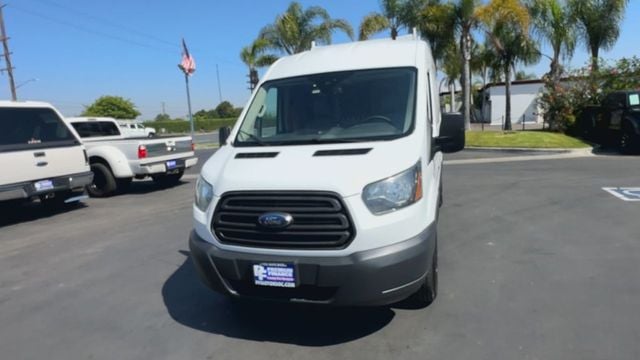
x: 201, y: 125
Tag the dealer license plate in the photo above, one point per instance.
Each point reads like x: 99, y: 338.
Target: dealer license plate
x: 274, y: 274
x: 171, y: 164
x: 44, y: 185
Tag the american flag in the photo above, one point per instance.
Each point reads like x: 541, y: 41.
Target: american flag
x: 188, y: 65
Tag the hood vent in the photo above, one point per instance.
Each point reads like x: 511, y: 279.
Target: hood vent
x: 259, y: 155
x: 342, y: 152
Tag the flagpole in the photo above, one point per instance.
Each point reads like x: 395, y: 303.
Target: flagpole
x: 186, y: 80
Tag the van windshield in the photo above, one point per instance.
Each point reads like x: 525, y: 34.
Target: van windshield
x: 350, y: 106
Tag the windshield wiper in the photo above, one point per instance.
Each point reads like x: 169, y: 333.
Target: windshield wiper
x: 256, y: 139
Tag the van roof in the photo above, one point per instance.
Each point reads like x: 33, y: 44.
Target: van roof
x: 24, y: 104
x: 370, y: 54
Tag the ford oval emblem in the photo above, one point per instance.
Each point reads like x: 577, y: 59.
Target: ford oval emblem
x: 275, y: 220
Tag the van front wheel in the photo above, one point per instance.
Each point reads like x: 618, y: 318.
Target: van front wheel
x: 429, y: 290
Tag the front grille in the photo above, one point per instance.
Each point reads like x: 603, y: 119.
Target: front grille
x: 320, y: 220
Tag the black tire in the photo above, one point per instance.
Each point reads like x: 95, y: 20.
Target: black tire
x: 429, y: 289
x: 168, y: 179
x: 629, y: 141
x: 151, y: 135
x: 104, y: 184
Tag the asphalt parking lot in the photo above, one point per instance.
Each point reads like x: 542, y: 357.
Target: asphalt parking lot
x: 536, y: 262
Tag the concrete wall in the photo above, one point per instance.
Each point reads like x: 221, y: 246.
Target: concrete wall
x: 524, y: 101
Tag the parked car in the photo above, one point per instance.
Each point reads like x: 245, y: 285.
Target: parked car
x: 616, y: 122
x: 328, y: 188
x: 41, y: 157
x: 115, y: 160
x: 132, y: 129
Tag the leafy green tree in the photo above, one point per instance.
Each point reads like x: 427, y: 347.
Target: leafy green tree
x: 225, y: 110
x: 255, y: 56
x: 506, y: 24
x: 112, y: 106
x: 295, y: 29
x: 162, y: 117
x: 555, y: 24
x: 598, y: 24
x: 523, y: 75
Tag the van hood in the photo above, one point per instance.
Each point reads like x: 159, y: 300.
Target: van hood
x: 342, y: 168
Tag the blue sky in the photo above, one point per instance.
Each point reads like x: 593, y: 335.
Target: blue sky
x: 79, y: 50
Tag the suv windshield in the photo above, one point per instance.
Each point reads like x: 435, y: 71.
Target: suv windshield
x: 350, y: 106
x: 27, y: 128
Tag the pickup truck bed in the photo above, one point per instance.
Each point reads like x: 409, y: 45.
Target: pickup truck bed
x: 115, y: 160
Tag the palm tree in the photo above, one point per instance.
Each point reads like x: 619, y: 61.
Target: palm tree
x: 436, y: 24
x: 255, y: 56
x: 554, y: 23
x: 395, y: 15
x: 295, y: 30
x: 452, y: 68
x: 598, y: 24
x: 506, y: 25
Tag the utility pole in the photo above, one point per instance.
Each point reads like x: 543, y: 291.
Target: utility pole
x: 219, y: 87
x: 163, y: 109
x: 7, y: 55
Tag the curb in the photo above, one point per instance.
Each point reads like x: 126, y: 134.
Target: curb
x: 540, y: 150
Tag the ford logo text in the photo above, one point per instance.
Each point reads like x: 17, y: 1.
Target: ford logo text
x: 275, y: 220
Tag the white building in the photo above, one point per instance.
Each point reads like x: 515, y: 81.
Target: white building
x: 524, y: 102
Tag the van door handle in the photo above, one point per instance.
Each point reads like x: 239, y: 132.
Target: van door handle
x: 39, y: 154
x: 42, y: 163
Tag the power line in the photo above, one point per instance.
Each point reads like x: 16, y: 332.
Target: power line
x: 90, y: 31
x: 110, y: 23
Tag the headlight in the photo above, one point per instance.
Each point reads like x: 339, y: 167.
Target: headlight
x: 204, y: 194
x: 395, y: 192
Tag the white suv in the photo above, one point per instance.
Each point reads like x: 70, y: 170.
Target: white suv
x: 327, y: 190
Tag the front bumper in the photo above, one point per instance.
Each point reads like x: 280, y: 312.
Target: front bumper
x: 27, y: 189
x: 372, y: 278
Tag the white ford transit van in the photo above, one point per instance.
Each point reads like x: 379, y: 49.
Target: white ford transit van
x: 327, y: 189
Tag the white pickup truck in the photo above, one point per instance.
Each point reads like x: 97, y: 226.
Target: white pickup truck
x: 40, y: 156
x: 132, y: 129
x: 115, y: 160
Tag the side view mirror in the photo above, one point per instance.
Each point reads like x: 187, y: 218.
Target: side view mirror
x: 223, y: 135
x: 452, y: 136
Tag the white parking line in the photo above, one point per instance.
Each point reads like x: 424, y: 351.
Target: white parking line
x: 624, y: 193
x: 568, y: 155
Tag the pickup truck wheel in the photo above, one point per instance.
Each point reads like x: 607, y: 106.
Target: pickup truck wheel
x: 429, y: 290
x: 629, y: 141
x: 168, y: 179
x: 104, y: 184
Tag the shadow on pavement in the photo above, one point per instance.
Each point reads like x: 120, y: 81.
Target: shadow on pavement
x: 144, y: 187
x: 15, y: 212
x: 192, y: 304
